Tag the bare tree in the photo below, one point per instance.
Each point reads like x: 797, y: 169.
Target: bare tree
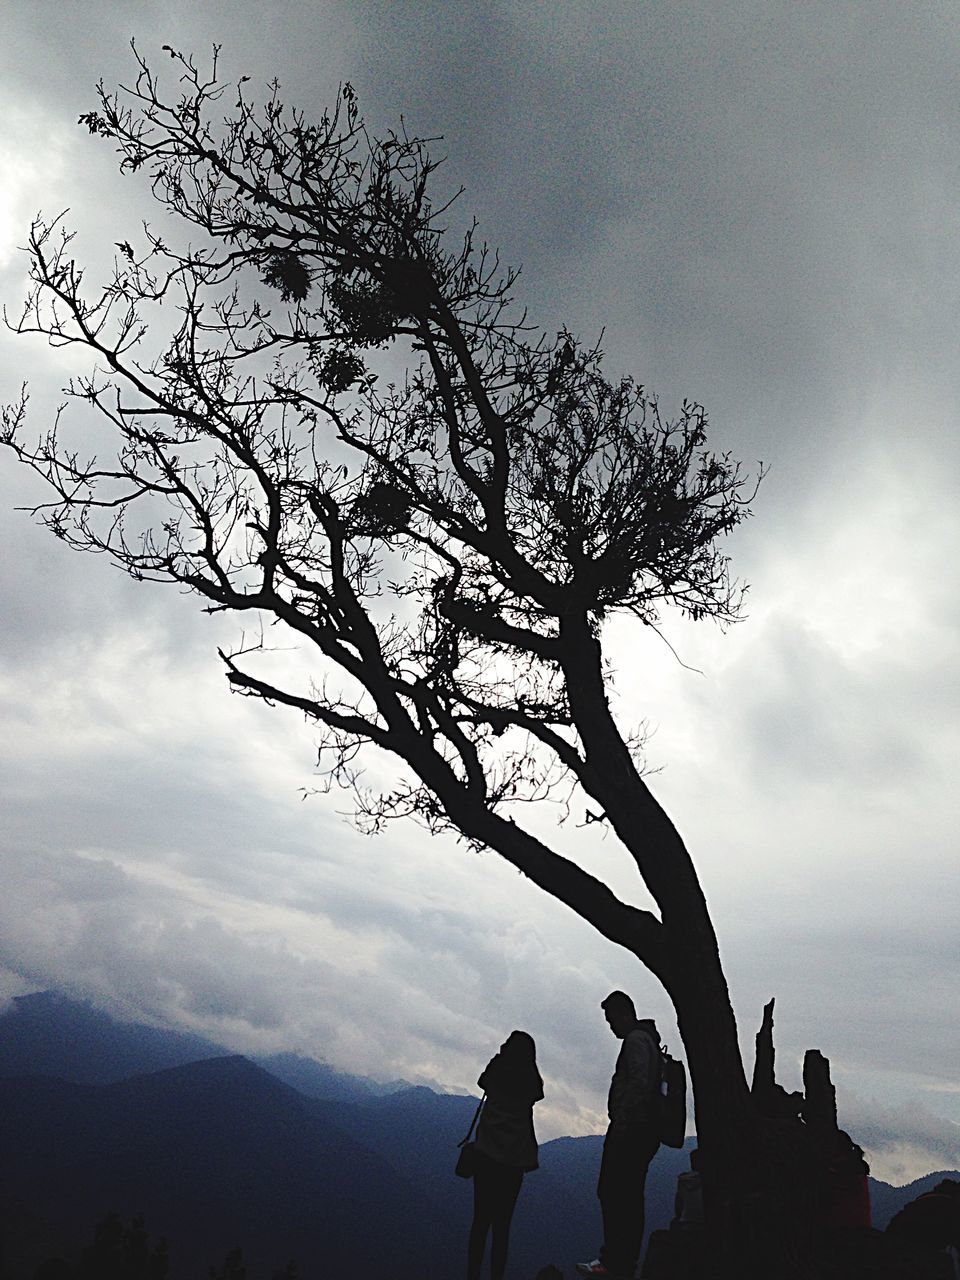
x: 447, y: 547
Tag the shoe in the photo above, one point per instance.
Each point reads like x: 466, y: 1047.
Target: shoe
x: 595, y: 1268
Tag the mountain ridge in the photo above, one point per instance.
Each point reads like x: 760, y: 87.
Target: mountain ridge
x: 211, y: 1154
x: 49, y: 1033
x: 219, y: 1151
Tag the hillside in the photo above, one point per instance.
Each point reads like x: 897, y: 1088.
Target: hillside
x: 212, y: 1154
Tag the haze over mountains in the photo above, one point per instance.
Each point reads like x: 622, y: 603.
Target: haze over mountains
x: 49, y: 1034
x: 215, y: 1150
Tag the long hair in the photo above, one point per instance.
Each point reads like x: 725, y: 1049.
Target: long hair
x: 514, y: 1069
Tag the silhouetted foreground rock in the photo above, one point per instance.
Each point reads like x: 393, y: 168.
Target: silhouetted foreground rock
x: 809, y: 1218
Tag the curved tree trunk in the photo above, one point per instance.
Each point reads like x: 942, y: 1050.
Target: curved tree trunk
x: 689, y: 964
x: 725, y: 1118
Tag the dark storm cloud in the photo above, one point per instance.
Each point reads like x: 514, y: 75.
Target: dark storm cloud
x: 756, y: 200
x: 519, y: 126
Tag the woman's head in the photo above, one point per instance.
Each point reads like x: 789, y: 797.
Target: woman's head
x: 514, y: 1069
x: 520, y: 1047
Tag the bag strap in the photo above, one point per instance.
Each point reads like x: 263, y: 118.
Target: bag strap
x: 476, y: 1116
x: 656, y: 1085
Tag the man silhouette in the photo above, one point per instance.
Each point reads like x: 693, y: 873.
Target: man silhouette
x: 631, y: 1140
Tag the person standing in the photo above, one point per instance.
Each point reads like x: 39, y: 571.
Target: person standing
x: 506, y: 1148
x: 631, y: 1140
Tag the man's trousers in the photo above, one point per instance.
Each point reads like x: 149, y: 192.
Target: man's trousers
x: 623, y: 1174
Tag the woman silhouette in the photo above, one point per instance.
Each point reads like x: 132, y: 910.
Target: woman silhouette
x: 506, y: 1147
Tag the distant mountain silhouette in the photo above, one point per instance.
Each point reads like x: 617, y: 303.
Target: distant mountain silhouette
x: 212, y: 1154
x: 217, y: 1151
x: 51, y: 1035
x: 318, y: 1080
x: 886, y: 1200
x: 415, y: 1130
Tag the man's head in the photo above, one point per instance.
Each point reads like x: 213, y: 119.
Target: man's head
x: 620, y: 1013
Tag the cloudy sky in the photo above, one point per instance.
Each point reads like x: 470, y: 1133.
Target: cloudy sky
x: 758, y: 203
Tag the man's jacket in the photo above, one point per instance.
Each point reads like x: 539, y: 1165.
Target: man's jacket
x: 636, y: 1077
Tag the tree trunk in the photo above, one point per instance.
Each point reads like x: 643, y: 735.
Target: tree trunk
x: 725, y: 1118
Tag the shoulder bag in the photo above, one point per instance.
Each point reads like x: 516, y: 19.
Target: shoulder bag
x: 467, y: 1159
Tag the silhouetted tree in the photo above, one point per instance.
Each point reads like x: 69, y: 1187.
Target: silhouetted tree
x: 289, y: 1272
x: 53, y: 1269
x: 448, y: 547
x: 122, y: 1252
x: 232, y: 1267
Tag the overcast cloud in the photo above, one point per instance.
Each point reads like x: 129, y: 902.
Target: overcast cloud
x: 758, y: 202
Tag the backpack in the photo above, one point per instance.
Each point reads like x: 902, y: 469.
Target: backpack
x: 671, y: 1113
